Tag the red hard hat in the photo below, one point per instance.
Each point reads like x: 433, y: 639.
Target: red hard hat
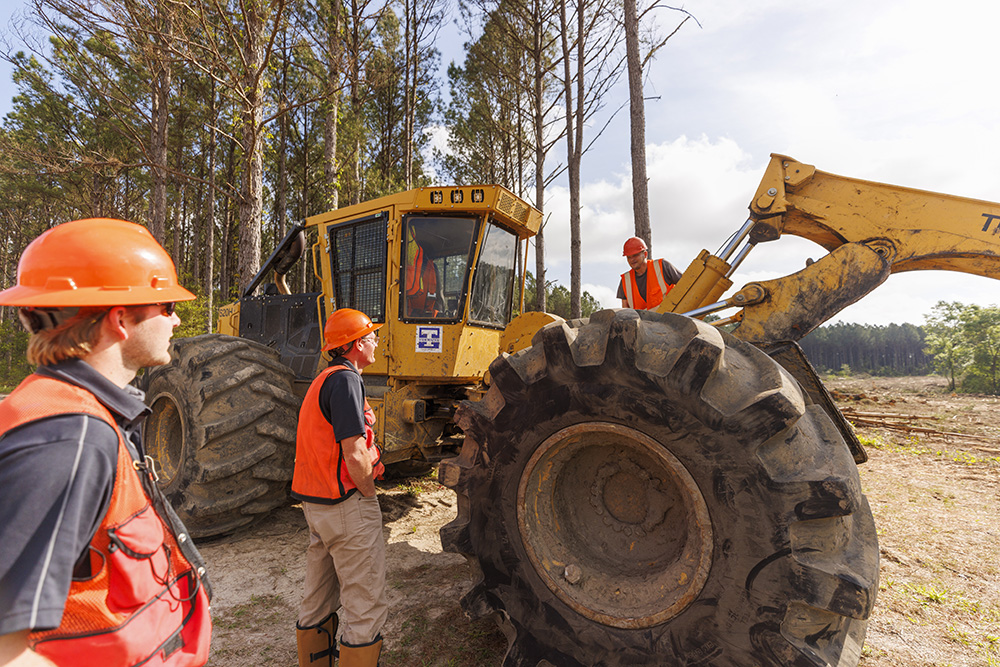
x: 633, y: 245
x: 94, y: 262
x: 345, y: 325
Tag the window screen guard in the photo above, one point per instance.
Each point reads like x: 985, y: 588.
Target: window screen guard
x: 358, y: 263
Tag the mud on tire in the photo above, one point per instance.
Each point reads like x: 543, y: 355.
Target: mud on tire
x: 222, y: 431
x: 644, y: 489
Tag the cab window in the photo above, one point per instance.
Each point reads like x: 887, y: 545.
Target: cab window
x: 436, y: 252
x: 493, y: 285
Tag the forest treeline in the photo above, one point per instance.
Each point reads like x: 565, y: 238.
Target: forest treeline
x: 894, y: 349
x: 959, y: 341
x: 219, y: 124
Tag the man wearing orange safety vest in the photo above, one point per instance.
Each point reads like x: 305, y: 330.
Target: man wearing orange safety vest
x: 95, y: 567
x: 421, y: 281
x: 336, y: 464
x: 648, y: 281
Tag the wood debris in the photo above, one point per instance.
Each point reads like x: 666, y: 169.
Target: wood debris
x: 905, y: 423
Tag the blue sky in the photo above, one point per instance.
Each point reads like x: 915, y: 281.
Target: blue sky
x: 898, y: 91
x: 7, y: 89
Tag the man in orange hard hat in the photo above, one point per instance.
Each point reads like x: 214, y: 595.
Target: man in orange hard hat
x: 96, y: 568
x: 336, y: 464
x: 648, y: 281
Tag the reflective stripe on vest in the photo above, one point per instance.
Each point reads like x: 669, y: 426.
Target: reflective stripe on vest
x: 143, y: 604
x: 414, y: 262
x: 321, y: 474
x: 654, y: 296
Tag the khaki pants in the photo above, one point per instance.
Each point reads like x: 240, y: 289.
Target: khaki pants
x: 345, y: 565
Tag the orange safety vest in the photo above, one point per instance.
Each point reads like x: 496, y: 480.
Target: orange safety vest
x: 421, y: 283
x: 144, y: 603
x: 655, y: 289
x: 320, y: 474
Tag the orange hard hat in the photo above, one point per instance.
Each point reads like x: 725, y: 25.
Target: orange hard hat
x: 633, y: 246
x: 346, y: 325
x: 94, y: 262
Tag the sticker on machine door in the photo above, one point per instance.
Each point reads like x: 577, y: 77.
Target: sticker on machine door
x: 428, y: 339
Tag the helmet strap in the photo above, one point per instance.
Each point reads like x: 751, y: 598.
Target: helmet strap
x: 39, y: 319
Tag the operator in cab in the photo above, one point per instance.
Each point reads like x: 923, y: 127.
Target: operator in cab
x: 648, y: 281
x: 422, y: 296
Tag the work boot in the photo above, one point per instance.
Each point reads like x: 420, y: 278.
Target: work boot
x: 317, y: 643
x: 360, y: 655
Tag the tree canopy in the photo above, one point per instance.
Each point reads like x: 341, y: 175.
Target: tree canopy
x: 964, y: 341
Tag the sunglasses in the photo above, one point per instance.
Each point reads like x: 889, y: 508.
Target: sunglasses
x: 169, y: 307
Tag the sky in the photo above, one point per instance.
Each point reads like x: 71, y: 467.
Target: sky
x: 896, y: 91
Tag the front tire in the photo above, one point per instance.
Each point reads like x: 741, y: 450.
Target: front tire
x: 644, y: 489
x: 222, y: 431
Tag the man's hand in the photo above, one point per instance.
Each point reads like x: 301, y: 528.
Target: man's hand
x: 359, y: 463
x: 14, y: 652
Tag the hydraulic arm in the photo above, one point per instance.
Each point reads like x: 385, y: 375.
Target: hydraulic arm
x: 871, y: 230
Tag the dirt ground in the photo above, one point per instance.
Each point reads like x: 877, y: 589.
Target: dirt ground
x: 935, y: 495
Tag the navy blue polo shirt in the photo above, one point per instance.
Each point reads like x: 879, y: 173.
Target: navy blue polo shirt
x: 342, y: 400
x: 56, y: 477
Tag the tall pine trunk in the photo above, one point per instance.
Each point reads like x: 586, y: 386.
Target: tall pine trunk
x: 159, y: 123
x: 539, y: 130
x: 331, y: 107
x: 252, y: 184
x: 637, y: 122
x: 209, y: 218
x: 574, y: 140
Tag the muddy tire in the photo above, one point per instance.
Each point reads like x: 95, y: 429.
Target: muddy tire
x: 222, y: 431
x: 643, y: 489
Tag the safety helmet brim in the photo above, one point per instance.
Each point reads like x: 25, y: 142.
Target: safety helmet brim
x: 68, y: 297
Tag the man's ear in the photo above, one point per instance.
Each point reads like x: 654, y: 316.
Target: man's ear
x: 115, y: 322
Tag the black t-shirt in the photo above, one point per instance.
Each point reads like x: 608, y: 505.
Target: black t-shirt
x: 56, y: 477
x: 342, y: 400
x: 670, y: 274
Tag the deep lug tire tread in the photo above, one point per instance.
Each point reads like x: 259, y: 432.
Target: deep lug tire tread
x: 239, y: 413
x: 795, y: 560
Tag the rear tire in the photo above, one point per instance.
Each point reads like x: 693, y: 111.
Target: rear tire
x: 222, y: 431
x: 644, y: 489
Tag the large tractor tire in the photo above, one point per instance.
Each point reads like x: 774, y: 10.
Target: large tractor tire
x: 222, y: 431
x: 644, y: 489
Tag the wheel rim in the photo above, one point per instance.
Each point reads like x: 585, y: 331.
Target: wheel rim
x: 164, y: 438
x: 614, y: 524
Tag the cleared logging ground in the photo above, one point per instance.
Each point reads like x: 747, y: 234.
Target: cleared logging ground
x: 936, y: 501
